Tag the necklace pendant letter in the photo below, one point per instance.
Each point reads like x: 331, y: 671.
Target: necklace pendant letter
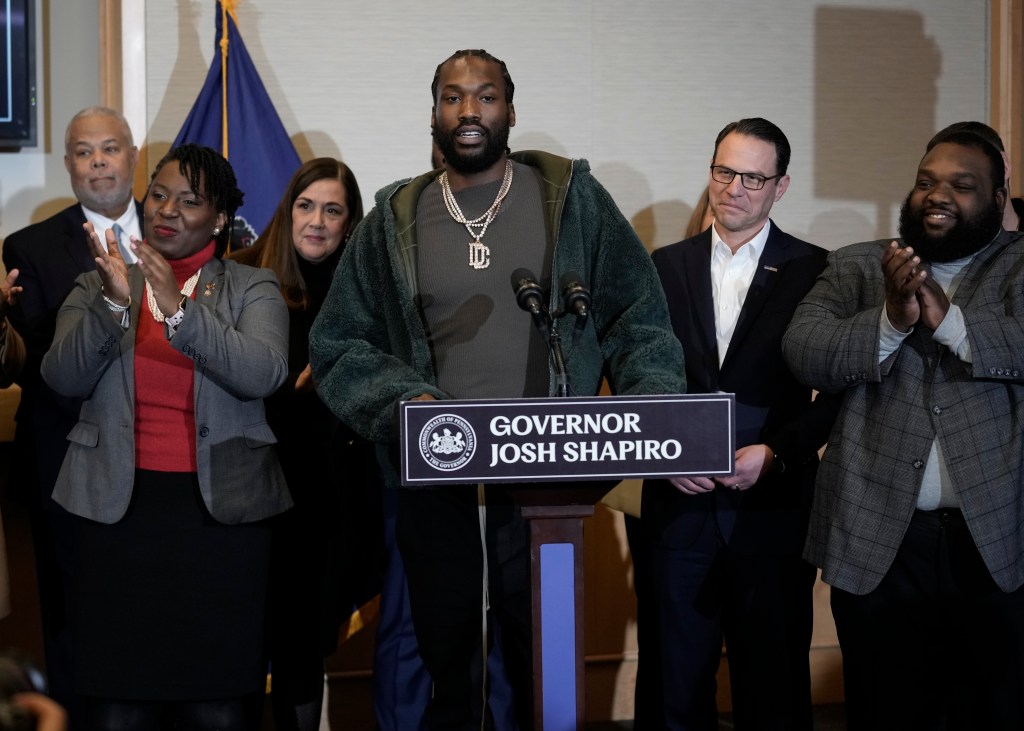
x: 479, y: 255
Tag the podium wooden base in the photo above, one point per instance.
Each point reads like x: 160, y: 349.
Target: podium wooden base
x: 556, y: 518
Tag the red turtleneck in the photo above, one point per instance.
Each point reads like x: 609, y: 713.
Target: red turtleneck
x: 165, y: 424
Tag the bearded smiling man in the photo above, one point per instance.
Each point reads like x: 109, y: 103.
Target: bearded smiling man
x: 918, y: 518
x: 937, y: 230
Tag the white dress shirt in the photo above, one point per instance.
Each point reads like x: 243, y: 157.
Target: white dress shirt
x: 731, y: 275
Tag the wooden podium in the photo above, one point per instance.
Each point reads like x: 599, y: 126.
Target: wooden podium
x: 556, y: 518
x: 566, y: 453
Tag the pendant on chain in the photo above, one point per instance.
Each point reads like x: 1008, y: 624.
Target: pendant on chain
x: 479, y: 255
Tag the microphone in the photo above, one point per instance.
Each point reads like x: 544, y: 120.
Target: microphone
x: 575, y: 300
x: 530, y: 297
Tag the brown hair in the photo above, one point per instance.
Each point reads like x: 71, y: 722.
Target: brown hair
x: 696, y: 223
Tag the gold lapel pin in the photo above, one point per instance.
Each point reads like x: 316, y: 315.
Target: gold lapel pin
x: 209, y: 288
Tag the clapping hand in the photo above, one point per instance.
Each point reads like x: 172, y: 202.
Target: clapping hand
x: 112, y: 268
x: 911, y: 295
x: 159, y: 275
x: 48, y: 714
x: 9, y: 292
x: 903, y: 278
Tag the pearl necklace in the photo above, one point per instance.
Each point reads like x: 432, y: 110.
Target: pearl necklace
x: 187, y: 290
x: 479, y: 255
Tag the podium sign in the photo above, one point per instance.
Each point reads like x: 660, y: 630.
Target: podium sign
x: 566, y: 439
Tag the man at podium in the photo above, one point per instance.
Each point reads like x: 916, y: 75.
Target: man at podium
x: 420, y: 308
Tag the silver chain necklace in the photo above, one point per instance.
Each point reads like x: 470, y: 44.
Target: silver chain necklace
x: 479, y: 255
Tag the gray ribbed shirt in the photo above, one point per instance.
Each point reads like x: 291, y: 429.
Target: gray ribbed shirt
x: 483, y: 345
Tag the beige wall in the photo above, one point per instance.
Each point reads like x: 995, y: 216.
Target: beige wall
x: 640, y: 89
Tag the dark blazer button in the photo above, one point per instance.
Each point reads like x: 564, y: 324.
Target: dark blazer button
x: 204, y: 431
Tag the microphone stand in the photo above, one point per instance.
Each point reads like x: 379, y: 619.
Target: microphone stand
x: 530, y: 297
x: 545, y: 325
x: 561, y: 375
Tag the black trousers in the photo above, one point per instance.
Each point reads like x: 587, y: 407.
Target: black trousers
x: 936, y: 645
x: 648, y: 712
x: 438, y: 534
x: 760, y: 604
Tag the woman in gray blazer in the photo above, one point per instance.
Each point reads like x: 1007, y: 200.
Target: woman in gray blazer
x: 171, y: 466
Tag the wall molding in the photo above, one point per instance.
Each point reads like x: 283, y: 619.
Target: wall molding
x: 123, y: 70
x: 1006, y: 114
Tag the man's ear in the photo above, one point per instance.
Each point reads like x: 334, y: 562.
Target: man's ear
x: 781, y: 187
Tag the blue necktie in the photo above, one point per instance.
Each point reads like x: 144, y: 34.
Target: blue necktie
x: 122, y: 243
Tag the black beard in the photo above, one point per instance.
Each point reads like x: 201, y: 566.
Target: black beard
x: 496, y: 143
x: 968, y: 236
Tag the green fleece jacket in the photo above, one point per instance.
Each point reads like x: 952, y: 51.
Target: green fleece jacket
x: 368, y: 347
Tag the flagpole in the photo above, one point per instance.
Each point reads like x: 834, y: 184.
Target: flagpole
x: 226, y: 6
x: 241, y: 120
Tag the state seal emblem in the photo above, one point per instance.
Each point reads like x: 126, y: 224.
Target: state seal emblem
x: 447, y: 442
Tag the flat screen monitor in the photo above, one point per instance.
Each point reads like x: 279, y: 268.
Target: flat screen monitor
x: 17, y: 74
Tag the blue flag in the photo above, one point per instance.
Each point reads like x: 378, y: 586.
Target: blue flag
x: 250, y: 135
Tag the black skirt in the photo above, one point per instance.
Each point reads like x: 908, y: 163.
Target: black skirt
x: 169, y: 603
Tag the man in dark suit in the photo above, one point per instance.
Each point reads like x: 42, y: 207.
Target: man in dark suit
x: 724, y: 552
x: 100, y: 157
x: 918, y: 515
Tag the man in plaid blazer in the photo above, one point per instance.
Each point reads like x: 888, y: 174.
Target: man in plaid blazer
x: 918, y: 516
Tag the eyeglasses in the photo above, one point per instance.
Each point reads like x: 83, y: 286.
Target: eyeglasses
x: 750, y: 181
